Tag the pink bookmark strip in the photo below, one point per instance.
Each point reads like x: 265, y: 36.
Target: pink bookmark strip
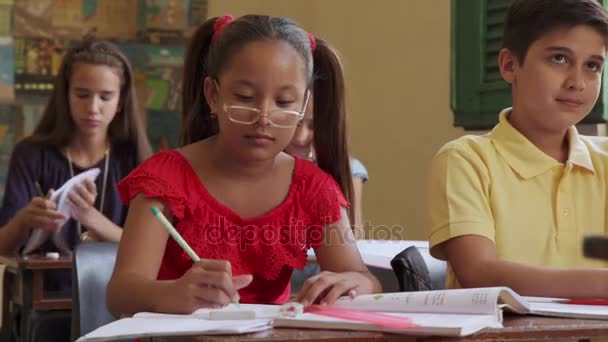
x: 374, y: 318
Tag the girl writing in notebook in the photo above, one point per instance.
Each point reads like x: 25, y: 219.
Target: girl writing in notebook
x: 90, y: 121
x: 249, y: 210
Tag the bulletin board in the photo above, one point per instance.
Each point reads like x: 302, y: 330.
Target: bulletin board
x: 34, y: 35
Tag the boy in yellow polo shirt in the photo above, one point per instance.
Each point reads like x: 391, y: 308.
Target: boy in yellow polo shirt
x: 511, y: 208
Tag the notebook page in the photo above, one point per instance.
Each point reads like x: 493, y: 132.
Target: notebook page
x: 479, y: 301
x: 261, y: 312
x: 569, y: 310
x: 426, y: 324
x: 164, y: 326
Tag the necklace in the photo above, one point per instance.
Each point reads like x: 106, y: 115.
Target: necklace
x: 84, y: 236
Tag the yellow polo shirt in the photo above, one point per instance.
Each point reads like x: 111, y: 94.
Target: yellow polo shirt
x: 535, y: 209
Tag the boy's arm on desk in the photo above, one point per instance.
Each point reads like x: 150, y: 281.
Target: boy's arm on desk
x: 475, y: 264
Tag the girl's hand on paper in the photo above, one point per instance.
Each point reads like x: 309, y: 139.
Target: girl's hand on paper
x: 325, y: 287
x: 208, y: 283
x: 42, y: 213
x: 81, y: 200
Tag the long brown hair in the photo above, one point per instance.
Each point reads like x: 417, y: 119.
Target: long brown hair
x: 329, y: 119
x: 56, y: 127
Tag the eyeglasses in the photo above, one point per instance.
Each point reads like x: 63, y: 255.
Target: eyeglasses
x: 278, y: 118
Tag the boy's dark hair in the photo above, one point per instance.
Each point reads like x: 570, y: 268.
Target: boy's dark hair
x: 528, y: 20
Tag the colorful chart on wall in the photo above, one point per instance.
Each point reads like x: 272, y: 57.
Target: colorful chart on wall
x: 7, y: 141
x: 35, y: 18
x: 163, y: 77
x: 75, y: 18
x: 37, y: 62
x: 7, y: 70
x: 6, y: 17
x: 113, y: 19
x: 163, y: 129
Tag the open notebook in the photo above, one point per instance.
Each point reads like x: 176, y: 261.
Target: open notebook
x: 457, y: 312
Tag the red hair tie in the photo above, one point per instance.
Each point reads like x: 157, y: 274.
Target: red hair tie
x: 220, y: 24
x: 313, y: 42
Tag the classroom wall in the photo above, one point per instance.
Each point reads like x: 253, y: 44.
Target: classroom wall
x: 396, y: 55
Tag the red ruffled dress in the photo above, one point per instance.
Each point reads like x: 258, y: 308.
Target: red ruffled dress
x: 269, y: 246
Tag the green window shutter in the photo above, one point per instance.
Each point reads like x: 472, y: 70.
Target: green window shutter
x: 478, y: 91
x: 599, y: 114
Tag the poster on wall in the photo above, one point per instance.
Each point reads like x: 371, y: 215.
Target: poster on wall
x: 163, y: 77
x: 73, y: 19
x: 166, y: 14
x: 37, y: 62
x: 7, y: 70
x: 163, y: 83
x: 163, y: 129
x: 7, y: 141
x: 157, y: 71
x: 44, y: 19
x: 162, y: 21
x: 111, y: 19
x: 6, y: 17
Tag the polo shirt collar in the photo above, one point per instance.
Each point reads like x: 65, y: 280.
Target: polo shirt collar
x: 528, y: 160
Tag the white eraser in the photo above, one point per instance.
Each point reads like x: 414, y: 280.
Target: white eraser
x: 52, y: 255
x: 219, y: 315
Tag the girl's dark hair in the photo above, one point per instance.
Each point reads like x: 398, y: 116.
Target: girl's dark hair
x: 56, y: 127
x: 329, y: 119
x: 205, y: 58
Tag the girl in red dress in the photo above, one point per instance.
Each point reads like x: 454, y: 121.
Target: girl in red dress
x: 249, y: 210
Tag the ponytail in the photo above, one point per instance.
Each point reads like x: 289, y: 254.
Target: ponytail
x: 329, y: 118
x: 197, y: 123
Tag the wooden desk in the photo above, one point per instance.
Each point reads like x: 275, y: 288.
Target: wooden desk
x: 277, y: 335
x: 24, y: 287
x: 516, y: 328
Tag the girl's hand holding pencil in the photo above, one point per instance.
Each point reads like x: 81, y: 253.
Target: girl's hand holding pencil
x: 41, y: 212
x: 208, y: 282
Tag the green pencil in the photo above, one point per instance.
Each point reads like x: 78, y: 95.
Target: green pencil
x: 179, y: 239
x: 174, y: 234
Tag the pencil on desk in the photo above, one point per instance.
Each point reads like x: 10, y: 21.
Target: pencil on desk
x: 179, y: 239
